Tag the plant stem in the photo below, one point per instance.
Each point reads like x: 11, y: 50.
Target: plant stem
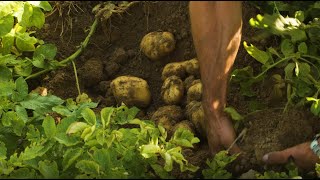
x: 313, y: 57
x: 83, y: 45
x: 76, y: 76
x: 273, y: 65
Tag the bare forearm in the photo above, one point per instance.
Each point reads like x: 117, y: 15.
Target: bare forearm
x: 216, y: 29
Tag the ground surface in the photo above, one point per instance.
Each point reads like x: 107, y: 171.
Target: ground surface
x: 118, y: 39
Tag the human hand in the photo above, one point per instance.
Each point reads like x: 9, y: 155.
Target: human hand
x: 302, y: 155
x: 221, y: 135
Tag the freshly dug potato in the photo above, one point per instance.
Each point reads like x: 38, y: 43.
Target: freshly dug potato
x: 188, y: 81
x: 166, y: 123
x: 172, y: 90
x: 172, y: 112
x: 184, y: 124
x: 192, y: 67
x: 157, y: 44
x: 174, y: 69
x: 195, y: 113
x: 195, y: 92
x: 132, y: 91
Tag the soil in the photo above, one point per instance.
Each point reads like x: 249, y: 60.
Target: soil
x: 114, y: 51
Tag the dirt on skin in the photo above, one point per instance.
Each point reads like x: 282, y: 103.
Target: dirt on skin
x: 114, y: 51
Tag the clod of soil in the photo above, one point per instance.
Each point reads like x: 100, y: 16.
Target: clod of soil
x: 271, y: 130
x: 92, y: 72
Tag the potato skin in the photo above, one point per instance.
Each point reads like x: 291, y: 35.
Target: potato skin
x: 174, y: 69
x: 195, y: 91
x: 184, y: 124
x: 156, y: 45
x: 172, y: 112
x: 195, y: 113
x: 132, y: 91
x: 192, y: 67
x: 172, y: 90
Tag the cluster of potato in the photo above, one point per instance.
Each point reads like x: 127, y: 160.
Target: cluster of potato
x: 182, y: 86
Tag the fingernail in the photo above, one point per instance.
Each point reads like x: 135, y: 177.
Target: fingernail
x: 265, y: 157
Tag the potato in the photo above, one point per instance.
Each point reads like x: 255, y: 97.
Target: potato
x: 156, y: 45
x: 195, y: 92
x: 174, y: 69
x: 184, y: 124
x: 192, y: 67
x: 166, y: 123
x: 188, y: 82
x: 172, y: 90
x: 195, y: 113
x: 172, y: 112
x: 132, y: 91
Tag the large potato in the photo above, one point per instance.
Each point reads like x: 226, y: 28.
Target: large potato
x: 132, y: 91
x: 172, y: 112
x: 172, y: 90
x: 195, y: 113
x: 188, y: 82
x: 174, y: 69
x: 195, y: 92
x: 192, y: 67
x: 157, y: 44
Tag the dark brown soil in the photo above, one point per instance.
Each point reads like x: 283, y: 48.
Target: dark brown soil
x: 114, y: 51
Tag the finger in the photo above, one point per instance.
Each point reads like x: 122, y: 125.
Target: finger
x: 277, y: 157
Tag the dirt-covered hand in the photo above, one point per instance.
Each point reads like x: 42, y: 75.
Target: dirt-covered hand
x: 221, y: 135
x: 302, y: 155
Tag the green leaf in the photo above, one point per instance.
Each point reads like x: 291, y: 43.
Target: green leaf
x: 289, y: 70
x: 257, y: 54
x: 183, y: 137
x: 88, y: 167
x: 303, y: 48
x: 3, y: 151
x: 49, y: 127
x: 297, y: 35
x: 66, y: 140
x: 23, y: 69
x: 62, y: 110
x: 149, y: 150
x: 299, y: 15
x: 106, y: 115
x: 37, y: 19
x: 23, y: 173
x: 168, y: 162
x: 31, y: 152
x: 22, y: 113
x: 42, y: 52
x: 25, y: 43
x: 22, y: 90
x: 45, y: 5
x: 7, y: 43
x: 70, y: 156
x: 5, y: 74
x: 6, y: 24
x: 89, y: 116
x: 24, y: 15
x: 77, y: 127
x: 159, y: 170
x: 48, y: 169
x: 287, y: 47
x: 87, y: 132
x: 41, y: 104
x: 315, y: 107
x: 233, y: 113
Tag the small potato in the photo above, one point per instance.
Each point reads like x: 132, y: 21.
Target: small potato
x: 166, y: 123
x: 132, y: 91
x: 188, y: 81
x: 172, y: 90
x: 195, y: 113
x: 192, y: 67
x: 174, y: 69
x: 172, y: 112
x: 184, y: 124
x: 195, y: 92
x: 156, y: 45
